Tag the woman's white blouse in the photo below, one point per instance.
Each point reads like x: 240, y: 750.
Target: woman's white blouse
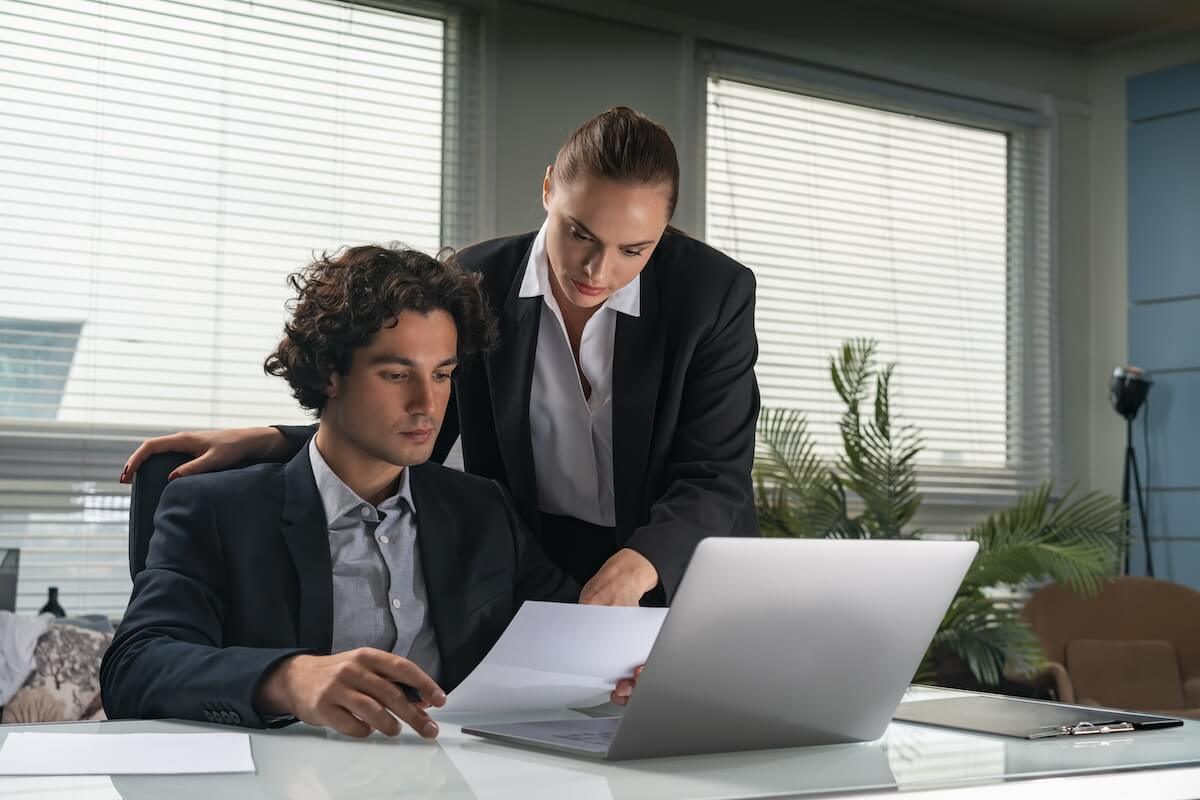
x: 572, y: 435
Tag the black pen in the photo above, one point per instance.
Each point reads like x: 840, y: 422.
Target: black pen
x: 412, y: 694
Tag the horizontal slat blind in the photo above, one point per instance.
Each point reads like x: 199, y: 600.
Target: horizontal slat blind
x: 929, y: 236
x: 165, y: 166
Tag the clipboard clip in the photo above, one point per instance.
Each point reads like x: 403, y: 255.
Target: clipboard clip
x: 1091, y: 728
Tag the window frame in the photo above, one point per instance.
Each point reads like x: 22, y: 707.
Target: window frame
x: 75, y: 464
x: 957, y: 102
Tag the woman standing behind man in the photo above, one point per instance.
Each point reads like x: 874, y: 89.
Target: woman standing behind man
x: 620, y: 406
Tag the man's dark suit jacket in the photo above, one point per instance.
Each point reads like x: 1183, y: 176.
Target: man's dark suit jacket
x: 239, y: 577
x: 685, y: 400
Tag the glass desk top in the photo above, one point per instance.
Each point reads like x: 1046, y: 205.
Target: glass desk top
x: 306, y: 762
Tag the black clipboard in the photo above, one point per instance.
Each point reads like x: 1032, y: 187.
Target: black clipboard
x: 1026, y: 719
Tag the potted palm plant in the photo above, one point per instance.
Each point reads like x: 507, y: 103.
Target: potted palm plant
x: 870, y: 490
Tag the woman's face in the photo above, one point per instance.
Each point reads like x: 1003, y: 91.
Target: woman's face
x: 600, y: 234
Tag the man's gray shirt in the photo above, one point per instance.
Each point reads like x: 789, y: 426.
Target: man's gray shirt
x: 379, y: 595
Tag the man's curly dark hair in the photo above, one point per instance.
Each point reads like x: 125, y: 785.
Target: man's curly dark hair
x: 345, y: 298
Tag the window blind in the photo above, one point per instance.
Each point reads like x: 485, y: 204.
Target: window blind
x: 928, y: 235
x: 166, y: 165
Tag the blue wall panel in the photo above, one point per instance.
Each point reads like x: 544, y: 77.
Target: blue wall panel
x: 1164, y: 311
x: 1174, y: 415
x: 1162, y: 560
x: 1175, y: 515
x: 1165, y: 335
x: 1167, y: 91
x: 1184, y: 563
x: 1164, y: 208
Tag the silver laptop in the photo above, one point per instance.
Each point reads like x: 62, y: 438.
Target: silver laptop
x: 774, y: 643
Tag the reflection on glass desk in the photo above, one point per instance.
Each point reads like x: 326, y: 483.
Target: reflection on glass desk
x: 306, y: 762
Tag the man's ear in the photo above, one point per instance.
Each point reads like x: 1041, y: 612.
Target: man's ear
x: 333, y: 385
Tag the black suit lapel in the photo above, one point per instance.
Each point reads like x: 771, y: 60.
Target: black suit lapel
x: 510, y: 376
x: 439, y: 539
x: 637, y: 367
x: 307, y: 535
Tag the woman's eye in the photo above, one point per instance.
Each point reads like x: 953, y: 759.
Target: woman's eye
x: 441, y: 376
x: 396, y: 376
x: 632, y: 253
x: 576, y: 233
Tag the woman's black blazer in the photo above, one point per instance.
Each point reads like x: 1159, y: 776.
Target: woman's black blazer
x: 685, y: 400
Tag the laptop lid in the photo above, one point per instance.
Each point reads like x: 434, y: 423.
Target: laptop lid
x: 789, y: 642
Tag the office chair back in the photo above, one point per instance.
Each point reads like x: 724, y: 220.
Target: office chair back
x: 148, y: 485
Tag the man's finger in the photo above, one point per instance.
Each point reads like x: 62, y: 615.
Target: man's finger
x: 369, y: 711
x: 346, y: 723
x: 401, y: 670
x: 391, y: 697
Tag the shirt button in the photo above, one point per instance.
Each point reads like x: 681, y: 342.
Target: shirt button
x: 365, y: 511
x: 384, y: 540
x: 395, y: 603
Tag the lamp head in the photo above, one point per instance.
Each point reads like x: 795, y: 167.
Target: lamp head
x: 1127, y: 389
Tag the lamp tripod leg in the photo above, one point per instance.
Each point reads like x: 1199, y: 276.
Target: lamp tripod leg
x: 1137, y: 490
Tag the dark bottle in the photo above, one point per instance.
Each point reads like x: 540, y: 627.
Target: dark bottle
x: 52, y: 606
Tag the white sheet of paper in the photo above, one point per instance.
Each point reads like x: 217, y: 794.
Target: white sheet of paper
x: 125, y: 753
x: 559, y: 655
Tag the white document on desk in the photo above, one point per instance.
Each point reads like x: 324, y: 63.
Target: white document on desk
x: 559, y: 655
x: 125, y: 753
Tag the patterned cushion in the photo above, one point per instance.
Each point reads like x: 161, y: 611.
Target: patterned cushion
x: 65, y: 683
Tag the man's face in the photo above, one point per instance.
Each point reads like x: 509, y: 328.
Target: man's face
x: 391, y: 403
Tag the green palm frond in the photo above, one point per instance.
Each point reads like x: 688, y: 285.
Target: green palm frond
x: 794, y: 489
x: 789, y: 450
x: 878, y: 463
x: 1076, y: 542
x: 988, y: 636
x: 850, y: 370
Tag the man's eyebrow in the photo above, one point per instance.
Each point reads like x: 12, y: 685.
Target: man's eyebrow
x: 394, y: 358
x: 594, y: 236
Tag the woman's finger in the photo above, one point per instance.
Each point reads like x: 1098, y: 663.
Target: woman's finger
x: 622, y: 692
x: 197, y: 466
x: 175, y: 442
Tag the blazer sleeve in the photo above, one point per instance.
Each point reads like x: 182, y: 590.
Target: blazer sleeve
x: 296, y: 436
x: 537, y: 577
x: 167, y: 658
x: 708, y: 485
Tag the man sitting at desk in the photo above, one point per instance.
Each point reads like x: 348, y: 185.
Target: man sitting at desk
x: 318, y: 589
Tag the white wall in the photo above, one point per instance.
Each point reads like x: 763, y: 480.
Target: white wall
x: 1108, y: 290
x: 554, y: 64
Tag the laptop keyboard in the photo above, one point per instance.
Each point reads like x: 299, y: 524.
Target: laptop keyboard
x: 588, y: 737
